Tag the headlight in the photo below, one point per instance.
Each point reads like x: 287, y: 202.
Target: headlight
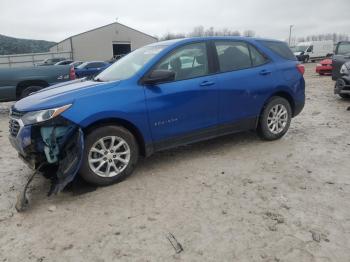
x: 344, y: 70
x: 31, y: 118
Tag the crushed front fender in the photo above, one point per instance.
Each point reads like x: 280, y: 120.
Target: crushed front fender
x: 54, y: 148
x: 69, y: 160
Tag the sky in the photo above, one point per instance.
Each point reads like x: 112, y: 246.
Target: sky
x: 56, y: 20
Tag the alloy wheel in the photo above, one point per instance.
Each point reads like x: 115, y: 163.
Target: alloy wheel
x: 277, y: 119
x: 109, y: 156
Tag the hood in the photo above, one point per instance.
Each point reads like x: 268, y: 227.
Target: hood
x: 326, y: 61
x: 298, y: 53
x: 61, y: 94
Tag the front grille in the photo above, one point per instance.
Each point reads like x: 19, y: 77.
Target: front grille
x: 14, y: 127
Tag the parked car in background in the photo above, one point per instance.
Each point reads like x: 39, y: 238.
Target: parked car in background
x: 17, y: 83
x: 90, y: 69
x: 342, y: 85
x: 70, y: 62
x: 341, y: 55
x: 155, y: 98
x: 64, y: 62
x: 75, y: 64
x: 324, y: 67
x: 51, y: 61
x: 114, y: 59
x: 314, y: 50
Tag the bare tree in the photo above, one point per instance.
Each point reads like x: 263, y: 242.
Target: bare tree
x: 335, y: 37
x: 170, y: 36
x: 200, y: 30
x: 249, y: 33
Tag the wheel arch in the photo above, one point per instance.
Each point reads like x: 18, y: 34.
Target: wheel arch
x: 284, y: 95
x: 26, y: 83
x: 120, y: 122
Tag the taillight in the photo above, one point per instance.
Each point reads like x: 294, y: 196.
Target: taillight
x: 301, y: 68
x: 72, y: 73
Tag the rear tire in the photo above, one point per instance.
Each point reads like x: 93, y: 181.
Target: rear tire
x: 28, y: 90
x: 275, y: 119
x: 110, y: 155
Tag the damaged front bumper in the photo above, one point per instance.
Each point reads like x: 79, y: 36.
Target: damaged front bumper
x: 55, y: 146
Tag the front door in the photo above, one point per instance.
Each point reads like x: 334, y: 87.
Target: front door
x: 181, y: 109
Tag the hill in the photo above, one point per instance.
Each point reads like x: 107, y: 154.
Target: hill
x: 12, y: 45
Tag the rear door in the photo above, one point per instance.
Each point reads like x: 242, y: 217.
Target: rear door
x: 246, y: 76
x: 179, y: 110
x: 342, y: 55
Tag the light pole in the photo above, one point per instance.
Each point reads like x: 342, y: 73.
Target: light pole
x: 290, y: 34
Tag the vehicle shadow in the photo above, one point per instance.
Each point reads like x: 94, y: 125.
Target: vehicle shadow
x: 79, y: 187
x: 199, y: 149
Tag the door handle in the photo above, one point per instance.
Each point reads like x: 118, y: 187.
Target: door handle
x: 264, y: 72
x: 207, y: 83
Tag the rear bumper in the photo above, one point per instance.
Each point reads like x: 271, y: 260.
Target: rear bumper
x: 298, y: 107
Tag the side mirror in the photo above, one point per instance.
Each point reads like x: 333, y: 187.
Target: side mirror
x: 158, y: 76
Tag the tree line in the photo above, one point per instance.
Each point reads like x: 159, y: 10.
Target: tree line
x: 199, y: 31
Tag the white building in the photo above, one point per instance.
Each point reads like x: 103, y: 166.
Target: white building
x: 103, y: 43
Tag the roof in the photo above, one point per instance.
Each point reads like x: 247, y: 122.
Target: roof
x: 195, y: 39
x: 91, y: 30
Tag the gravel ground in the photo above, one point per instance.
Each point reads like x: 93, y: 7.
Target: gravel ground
x: 234, y: 198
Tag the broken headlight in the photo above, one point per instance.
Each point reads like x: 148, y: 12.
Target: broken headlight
x: 34, y: 117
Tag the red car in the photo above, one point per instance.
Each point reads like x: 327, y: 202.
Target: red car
x: 324, y: 67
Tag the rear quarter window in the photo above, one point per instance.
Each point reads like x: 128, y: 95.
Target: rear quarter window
x: 280, y: 48
x: 343, y: 48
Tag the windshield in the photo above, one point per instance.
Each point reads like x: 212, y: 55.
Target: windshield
x: 300, y: 48
x: 129, y: 64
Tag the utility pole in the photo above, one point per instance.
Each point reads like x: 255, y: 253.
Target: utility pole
x: 290, y: 34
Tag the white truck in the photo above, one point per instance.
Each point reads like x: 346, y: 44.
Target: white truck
x: 314, y: 50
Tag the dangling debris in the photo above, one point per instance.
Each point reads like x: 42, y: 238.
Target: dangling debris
x: 22, y: 200
x: 176, y: 245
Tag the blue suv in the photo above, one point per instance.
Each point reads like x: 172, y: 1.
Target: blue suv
x: 159, y: 96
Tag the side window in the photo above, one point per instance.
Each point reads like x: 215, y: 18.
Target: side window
x: 343, y: 48
x: 310, y: 49
x: 280, y: 48
x: 187, y: 62
x: 233, y: 55
x: 257, y: 57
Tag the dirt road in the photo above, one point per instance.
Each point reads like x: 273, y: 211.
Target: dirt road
x: 234, y: 198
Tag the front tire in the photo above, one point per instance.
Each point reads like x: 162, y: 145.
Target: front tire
x: 306, y: 59
x: 275, y: 119
x: 110, y: 155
